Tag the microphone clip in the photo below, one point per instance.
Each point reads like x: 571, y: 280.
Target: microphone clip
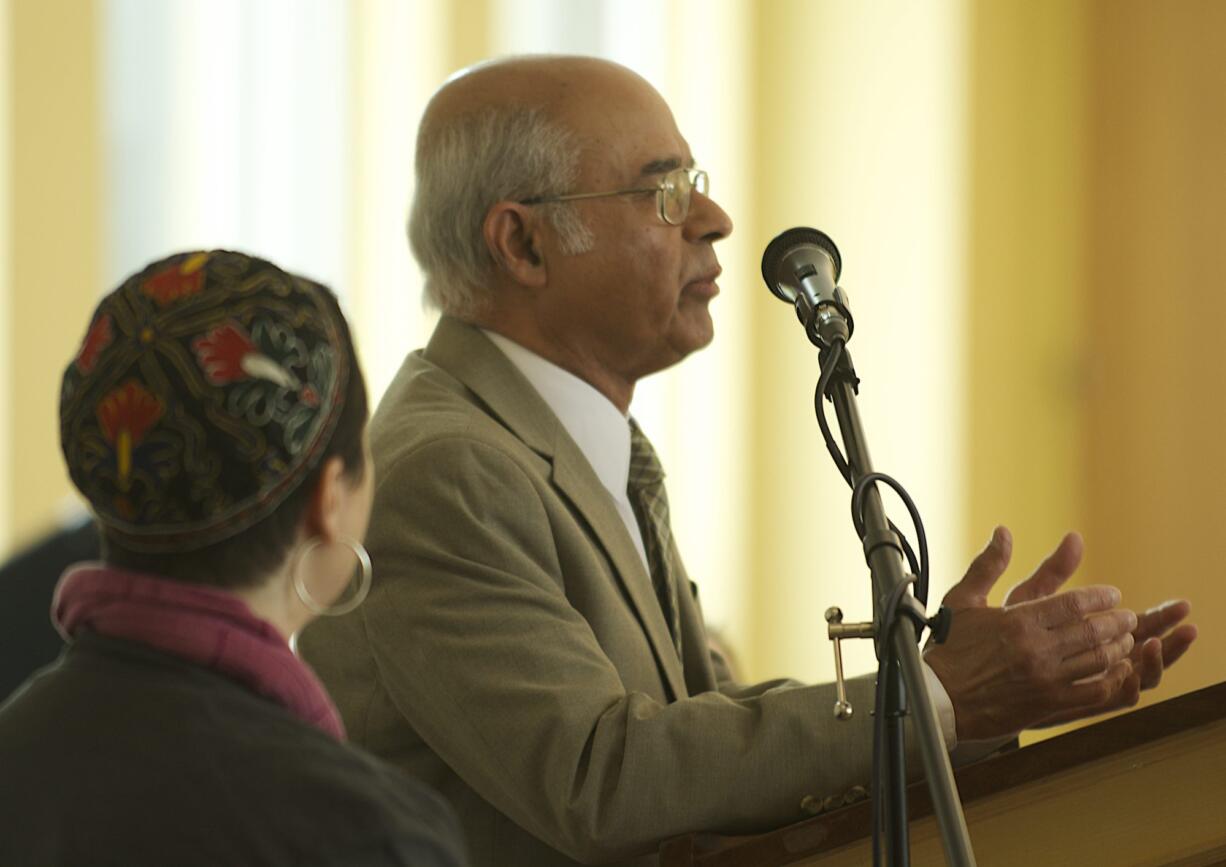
x: 844, y: 370
x: 816, y: 318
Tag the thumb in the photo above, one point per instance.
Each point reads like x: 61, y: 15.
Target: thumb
x: 983, y: 573
x: 1052, y: 573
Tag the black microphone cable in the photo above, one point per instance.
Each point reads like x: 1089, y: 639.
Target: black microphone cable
x: 890, y: 612
x: 919, y: 566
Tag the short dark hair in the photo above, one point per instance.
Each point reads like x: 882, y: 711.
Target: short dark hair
x: 241, y: 560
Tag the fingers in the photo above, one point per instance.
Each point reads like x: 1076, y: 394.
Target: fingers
x: 1079, y: 636
x: 1097, y: 659
x: 1160, y: 618
x: 1074, y: 605
x: 1161, y: 640
x: 1052, y: 573
x: 1113, y: 693
x: 983, y: 573
x: 1177, y: 643
x: 1148, y: 663
x: 1116, y: 688
x: 1152, y: 657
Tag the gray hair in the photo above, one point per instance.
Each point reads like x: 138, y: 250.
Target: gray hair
x: 464, y: 166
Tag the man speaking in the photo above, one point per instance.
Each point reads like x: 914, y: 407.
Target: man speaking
x: 532, y: 646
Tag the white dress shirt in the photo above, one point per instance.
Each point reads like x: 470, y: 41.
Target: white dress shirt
x: 602, y: 433
x: 593, y: 422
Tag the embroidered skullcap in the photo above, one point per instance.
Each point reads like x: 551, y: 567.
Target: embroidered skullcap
x: 206, y: 389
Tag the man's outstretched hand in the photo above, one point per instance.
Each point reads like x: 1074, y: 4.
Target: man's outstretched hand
x: 1048, y: 656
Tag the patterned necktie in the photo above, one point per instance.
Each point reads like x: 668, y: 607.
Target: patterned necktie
x: 650, y: 502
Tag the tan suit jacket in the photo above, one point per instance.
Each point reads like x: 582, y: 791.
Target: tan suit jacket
x: 512, y: 652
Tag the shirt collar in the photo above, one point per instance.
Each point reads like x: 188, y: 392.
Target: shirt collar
x: 598, y: 427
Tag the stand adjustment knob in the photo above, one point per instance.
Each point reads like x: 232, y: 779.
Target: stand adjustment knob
x: 837, y: 630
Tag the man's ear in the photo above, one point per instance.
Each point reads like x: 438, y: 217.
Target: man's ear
x: 513, y: 237
x: 323, y: 510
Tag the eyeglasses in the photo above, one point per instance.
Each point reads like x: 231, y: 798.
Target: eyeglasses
x: 673, y: 194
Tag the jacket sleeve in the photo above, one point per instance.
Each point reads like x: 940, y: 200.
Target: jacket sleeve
x: 479, y: 647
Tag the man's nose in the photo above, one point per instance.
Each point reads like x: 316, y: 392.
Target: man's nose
x: 706, y: 220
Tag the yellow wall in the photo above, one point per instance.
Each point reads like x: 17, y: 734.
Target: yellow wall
x: 871, y: 152
x: 1024, y: 361
x: 53, y: 268
x: 397, y: 60
x: 1156, y: 291
x: 469, y: 28
x: 6, y: 469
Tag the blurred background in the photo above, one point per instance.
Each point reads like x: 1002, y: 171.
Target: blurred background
x: 1028, y: 196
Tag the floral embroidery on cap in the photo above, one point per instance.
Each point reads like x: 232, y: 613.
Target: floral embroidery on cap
x: 125, y: 415
x: 226, y: 354
x: 97, y: 339
x: 180, y: 280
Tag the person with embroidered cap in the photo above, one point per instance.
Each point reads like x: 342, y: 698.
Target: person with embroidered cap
x: 214, y: 418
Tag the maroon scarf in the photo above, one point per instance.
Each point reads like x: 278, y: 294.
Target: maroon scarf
x: 201, y: 624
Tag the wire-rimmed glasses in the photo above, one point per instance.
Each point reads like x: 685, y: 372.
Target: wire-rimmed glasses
x: 673, y: 194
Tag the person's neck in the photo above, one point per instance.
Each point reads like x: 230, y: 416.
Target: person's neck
x: 557, y: 349
x: 273, y: 599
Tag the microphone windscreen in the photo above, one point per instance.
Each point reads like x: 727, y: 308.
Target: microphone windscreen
x: 782, y: 254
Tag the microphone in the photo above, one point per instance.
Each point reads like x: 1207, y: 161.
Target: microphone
x: 801, y: 266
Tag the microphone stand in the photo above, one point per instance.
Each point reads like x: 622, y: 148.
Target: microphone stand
x: 801, y: 267
x: 903, y: 671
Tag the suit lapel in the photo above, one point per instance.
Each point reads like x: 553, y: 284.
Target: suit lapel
x: 575, y: 479
x: 467, y: 354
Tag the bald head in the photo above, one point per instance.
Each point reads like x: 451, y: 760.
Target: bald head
x: 505, y: 130
x: 559, y: 87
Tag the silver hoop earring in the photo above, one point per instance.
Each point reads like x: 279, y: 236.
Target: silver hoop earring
x: 304, y: 594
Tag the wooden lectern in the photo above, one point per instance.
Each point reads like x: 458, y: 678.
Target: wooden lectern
x: 1146, y: 788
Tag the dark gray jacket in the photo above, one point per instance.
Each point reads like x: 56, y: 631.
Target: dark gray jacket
x: 120, y: 754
